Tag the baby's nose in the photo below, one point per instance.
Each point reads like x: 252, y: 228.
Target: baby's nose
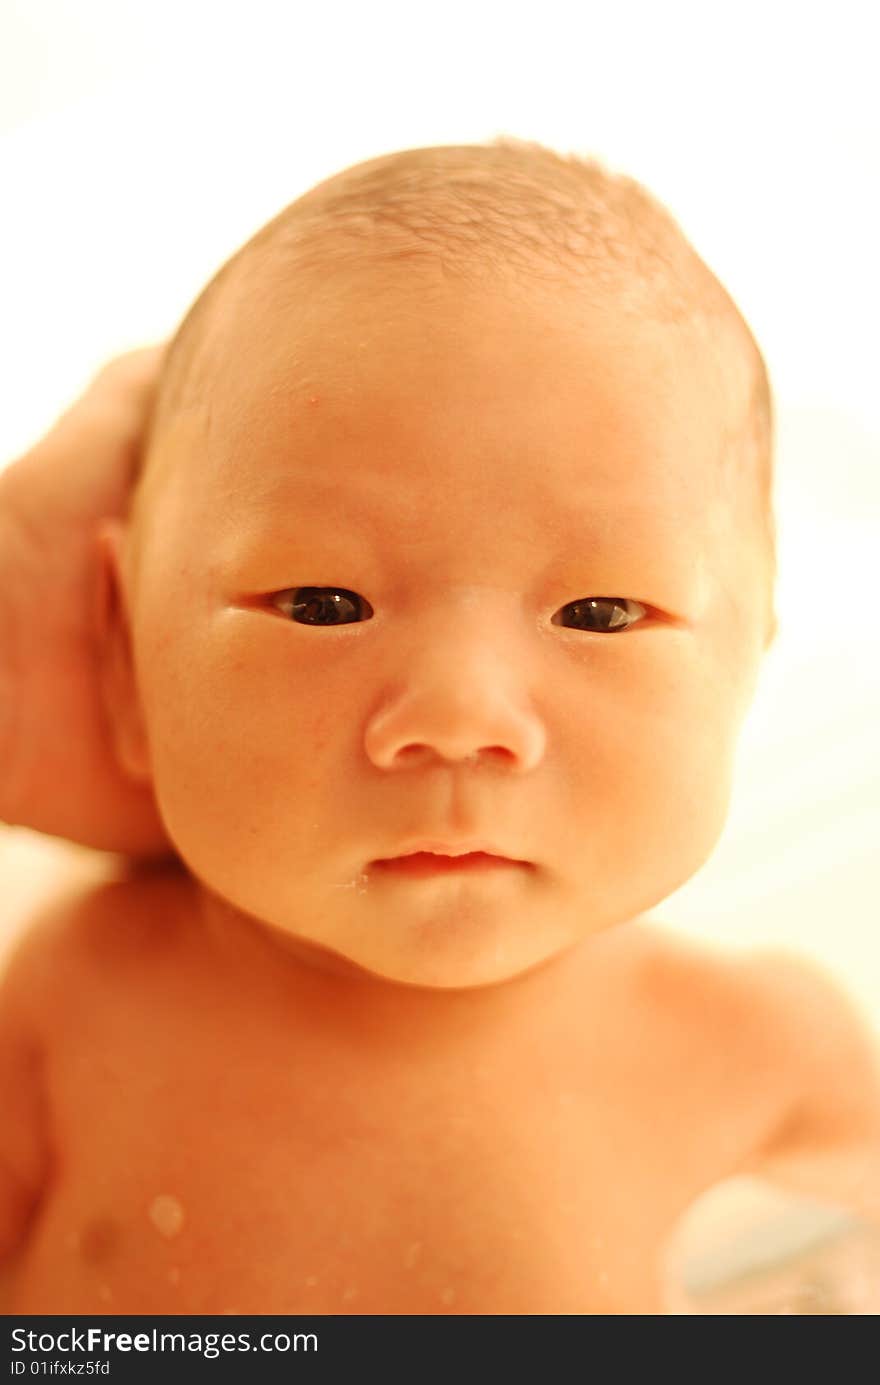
x: 457, y: 701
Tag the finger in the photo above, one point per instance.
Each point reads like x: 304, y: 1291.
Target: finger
x: 134, y: 374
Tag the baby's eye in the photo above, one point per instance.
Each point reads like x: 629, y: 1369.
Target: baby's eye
x: 601, y: 614
x: 323, y: 605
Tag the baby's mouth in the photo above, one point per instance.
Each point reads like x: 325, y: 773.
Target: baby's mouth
x: 416, y: 864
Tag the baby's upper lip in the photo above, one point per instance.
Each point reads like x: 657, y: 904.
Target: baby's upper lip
x: 451, y: 847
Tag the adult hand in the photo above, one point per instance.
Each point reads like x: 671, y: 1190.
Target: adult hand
x: 58, y: 771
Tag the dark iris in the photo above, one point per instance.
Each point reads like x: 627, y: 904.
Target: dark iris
x: 337, y: 606
x: 602, y: 614
x: 328, y: 606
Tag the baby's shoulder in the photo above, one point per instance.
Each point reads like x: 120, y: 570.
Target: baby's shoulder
x: 732, y: 1007
x: 823, y: 1040
x: 773, y: 1012
x: 689, y: 981
x: 92, y: 938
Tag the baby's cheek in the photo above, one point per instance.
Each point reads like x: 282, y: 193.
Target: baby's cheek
x: 236, y: 734
x: 677, y: 723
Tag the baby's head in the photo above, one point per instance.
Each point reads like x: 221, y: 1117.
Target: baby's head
x: 454, y: 534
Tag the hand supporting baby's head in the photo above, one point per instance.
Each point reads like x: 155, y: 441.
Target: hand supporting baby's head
x: 454, y: 537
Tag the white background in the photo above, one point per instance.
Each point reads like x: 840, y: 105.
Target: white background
x: 141, y: 143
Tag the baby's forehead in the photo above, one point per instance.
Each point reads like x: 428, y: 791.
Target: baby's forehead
x: 378, y: 390
x: 336, y: 315
x: 340, y: 356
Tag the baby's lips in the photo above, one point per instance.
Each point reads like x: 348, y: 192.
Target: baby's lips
x: 452, y: 847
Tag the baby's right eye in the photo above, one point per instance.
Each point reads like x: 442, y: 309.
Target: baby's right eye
x: 602, y: 614
x: 323, y: 605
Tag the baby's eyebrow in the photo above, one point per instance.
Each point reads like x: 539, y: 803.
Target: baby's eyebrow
x: 624, y: 551
x: 386, y: 530
x: 382, y: 507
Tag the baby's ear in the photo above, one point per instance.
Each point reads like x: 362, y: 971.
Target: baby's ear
x: 116, y: 669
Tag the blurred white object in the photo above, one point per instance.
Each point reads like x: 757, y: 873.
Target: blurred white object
x: 747, y: 1248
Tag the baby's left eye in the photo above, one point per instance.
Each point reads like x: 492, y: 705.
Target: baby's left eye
x: 323, y: 605
x: 603, y: 615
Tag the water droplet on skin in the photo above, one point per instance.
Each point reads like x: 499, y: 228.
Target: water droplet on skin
x: 166, y: 1214
x: 448, y: 1295
x: 358, y: 884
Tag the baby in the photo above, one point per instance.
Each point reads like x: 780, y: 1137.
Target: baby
x: 439, y: 607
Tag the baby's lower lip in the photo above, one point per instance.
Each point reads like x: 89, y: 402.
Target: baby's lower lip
x: 429, y: 863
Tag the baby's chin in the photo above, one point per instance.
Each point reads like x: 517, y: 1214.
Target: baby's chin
x: 454, y: 957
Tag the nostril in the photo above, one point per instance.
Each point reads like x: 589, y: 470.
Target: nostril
x: 497, y: 734
x: 417, y: 751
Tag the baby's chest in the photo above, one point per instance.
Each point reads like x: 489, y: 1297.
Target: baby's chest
x: 215, y: 1177
x: 334, y: 1194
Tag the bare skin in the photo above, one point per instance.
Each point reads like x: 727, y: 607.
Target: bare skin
x: 228, y: 1129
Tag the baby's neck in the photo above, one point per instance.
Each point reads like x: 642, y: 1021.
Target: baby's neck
x: 320, y: 979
